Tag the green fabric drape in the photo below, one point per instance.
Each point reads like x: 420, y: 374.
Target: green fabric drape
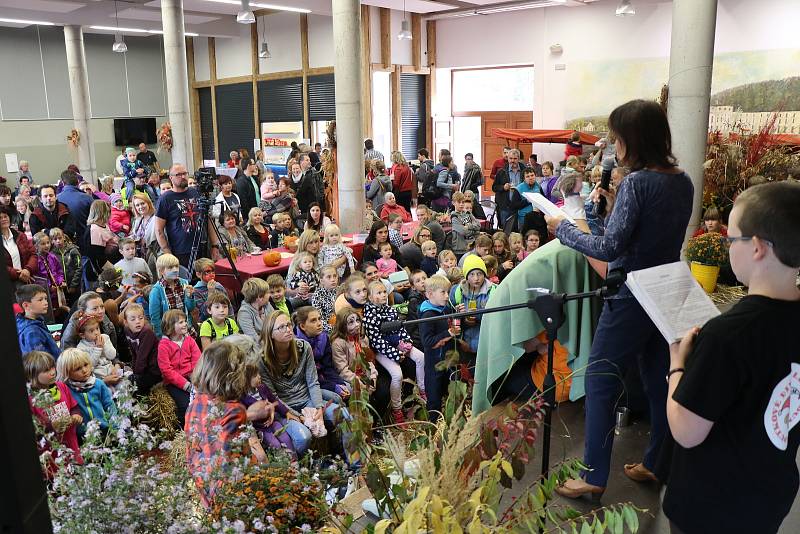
x: 554, y: 267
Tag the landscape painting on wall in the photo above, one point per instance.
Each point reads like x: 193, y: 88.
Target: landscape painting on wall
x: 747, y: 89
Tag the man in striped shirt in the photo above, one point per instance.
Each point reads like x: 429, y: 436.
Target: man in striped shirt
x: 369, y: 151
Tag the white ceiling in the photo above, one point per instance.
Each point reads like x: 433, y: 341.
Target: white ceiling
x: 201, y: 16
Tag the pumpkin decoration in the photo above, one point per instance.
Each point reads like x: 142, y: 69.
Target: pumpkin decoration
x: 290, y: 242
x: 271, y: 258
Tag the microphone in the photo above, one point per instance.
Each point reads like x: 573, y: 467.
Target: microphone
x: 613, y: 282
x: 391, y: 326
x: 605, y: 182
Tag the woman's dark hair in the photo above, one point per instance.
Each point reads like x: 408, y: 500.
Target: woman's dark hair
x: 6, y: 210
x: 224, y: 179
x: 310, y: 222
x: 366, y: 265
x: 643, y: 128
x: 377, y: 225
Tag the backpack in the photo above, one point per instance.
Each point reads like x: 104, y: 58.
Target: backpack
x: 214, y: 330
x: 429, y: 187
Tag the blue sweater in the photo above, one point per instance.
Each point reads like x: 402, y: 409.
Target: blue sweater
x: 34, y: 335
x: 95, y: 403
x: 159, y: 305
x: 646, y: 227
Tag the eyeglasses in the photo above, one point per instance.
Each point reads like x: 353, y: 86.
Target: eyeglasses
x: 731, y: 240
x: 208, y: 272
x: 282, y: 328
x: 180, y: 174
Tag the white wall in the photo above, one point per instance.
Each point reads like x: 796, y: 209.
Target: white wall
x: 202, y: 69
x: 283, y: 36
x: 375, y: 34
x: 320, y: 41
x: 592, y: 33
x: 233, y: 55
x: 401, y: 50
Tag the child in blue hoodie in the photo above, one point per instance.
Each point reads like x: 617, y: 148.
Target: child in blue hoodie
x: 31, y: 328
x: 74, y: 368
x: 435, y: 337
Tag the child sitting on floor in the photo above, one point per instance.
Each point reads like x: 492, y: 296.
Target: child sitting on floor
x: 325, y: 296
x: 144, y: 349
x: 447, y: 261
x: 429, y: 263
x: 305, y: 273
x: 177, y: 357
x: 98, y: 346
x: 219, y: 324
x: 391, y: 348
x: 170, y: 292
x: 277, y: 294
x: 74, y: 367
x: 130, y: 263
x: 204, y: 270
x: 52, y: 404
x: 385, y: 264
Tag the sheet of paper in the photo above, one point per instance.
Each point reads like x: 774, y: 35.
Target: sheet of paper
x: 540, y: 202
x: 672, y: 298
x: 12, y: 165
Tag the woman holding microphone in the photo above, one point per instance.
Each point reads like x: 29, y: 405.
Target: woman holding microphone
x: 651, y: 210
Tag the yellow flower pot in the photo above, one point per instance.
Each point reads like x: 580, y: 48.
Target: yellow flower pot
x: 706, y: 275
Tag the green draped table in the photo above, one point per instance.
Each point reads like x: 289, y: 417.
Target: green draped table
x: 561, y: 270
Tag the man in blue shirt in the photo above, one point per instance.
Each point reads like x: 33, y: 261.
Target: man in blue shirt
x: 76, y: 201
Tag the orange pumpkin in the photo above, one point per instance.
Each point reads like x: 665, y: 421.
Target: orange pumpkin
x: 271, y: 258
x: 290, y: 242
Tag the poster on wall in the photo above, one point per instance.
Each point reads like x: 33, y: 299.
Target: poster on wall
x: 748, y: 89
x: 12, y: 165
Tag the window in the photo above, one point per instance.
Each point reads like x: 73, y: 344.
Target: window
x: 497, y: 89
x: 382, y: 112
x: 412, y: 112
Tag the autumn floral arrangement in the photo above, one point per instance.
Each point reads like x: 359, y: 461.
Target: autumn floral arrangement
x: 164, y: 137
x: 74, y: 138
x: 708, y: 249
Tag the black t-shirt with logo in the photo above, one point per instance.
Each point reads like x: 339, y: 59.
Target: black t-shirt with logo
x: 182, y: 216
x: 744, y: 375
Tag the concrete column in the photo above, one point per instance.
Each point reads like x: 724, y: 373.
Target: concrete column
x: 349, y: 140
x: 690, y: 65
x: 177, y: 82
x: 81, y: 106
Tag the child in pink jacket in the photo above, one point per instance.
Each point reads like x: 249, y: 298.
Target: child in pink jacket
x: 178, y: 353
x: 120, y: 221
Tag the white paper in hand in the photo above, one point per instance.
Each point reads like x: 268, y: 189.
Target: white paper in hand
x: 672, y: 298
x: 540, y: 202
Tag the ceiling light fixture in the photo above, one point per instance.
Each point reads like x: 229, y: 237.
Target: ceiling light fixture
x: 264, y: 52
x: 28, y: 22
x: 245, y: 16
x: 405, y: 27
x: 119, y: 45
x: 261, y: 5
x: 625, y: 9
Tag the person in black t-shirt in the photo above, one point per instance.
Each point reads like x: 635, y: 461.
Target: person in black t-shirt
x: 177, y: 218
x: 733, y: 407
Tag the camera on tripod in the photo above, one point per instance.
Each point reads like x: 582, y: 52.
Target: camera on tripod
x: 206, y: 179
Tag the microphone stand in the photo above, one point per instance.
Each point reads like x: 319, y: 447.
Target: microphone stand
x: 550, y: 309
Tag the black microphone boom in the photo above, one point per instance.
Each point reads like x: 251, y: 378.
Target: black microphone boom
x: 550, y: 309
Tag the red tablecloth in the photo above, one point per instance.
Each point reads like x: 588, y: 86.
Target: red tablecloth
x: 250, y: 266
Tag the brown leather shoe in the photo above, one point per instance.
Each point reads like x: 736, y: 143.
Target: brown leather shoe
x: 639, y: 473
x: 575, y: 488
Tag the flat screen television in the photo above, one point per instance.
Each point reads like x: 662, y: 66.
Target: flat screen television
x: 131, y: 132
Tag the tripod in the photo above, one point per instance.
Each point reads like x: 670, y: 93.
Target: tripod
x: 200, y: 241
x: 550, y: 309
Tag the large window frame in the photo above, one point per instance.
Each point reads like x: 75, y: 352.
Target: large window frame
x: 467, y: 113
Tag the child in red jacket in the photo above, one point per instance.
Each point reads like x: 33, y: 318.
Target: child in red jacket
x: 178, y: 353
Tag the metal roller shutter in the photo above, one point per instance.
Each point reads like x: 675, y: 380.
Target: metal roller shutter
x: 280, y: 100
x: 412, y: 113
x: 321, y: 98
x: 235, y: 117
x: 206, y: 123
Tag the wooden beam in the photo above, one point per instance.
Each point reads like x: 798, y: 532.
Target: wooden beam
x: 316, y: 71
x: 386, y: 37
x: 212, y: 65
x: 254, y: 78
x: 194, y: 103
x: 430, y: 83
x: 233, y: 79
x: 409, y: 69
x: 366, y: 73
x: 378, y: 67
x: 198, y: 85
x: 397, y: 123
x: 416, y: 40
x: 280, y: 75
x: 304, y: 56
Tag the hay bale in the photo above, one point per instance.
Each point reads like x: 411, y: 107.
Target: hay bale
x: 160, y: 413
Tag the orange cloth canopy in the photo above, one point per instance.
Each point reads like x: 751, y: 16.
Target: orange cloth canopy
x: 543, y: 136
